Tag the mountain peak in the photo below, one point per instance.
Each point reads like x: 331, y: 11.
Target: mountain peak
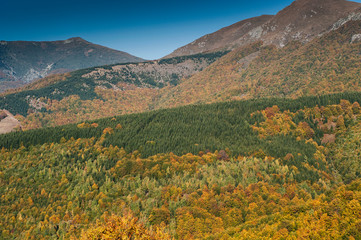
x: 305, y: 19
x: 224, y: 38
x: 75, y: 39
x: 301, y: 21
x: 300, y: 6
x: 23, y: 61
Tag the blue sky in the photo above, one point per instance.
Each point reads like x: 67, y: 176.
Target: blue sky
x: 145, y: 28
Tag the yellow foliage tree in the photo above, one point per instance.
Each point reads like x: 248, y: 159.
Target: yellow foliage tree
x: 124, y: 228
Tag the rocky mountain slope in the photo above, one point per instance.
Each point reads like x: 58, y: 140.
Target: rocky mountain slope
x: 225, y: 38
x: 303, y: 20
x: 23, y: 61
x: 328, y: 64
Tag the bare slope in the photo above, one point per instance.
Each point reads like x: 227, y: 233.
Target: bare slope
x: 304, y: 20
x: 224, y: 38
x: 9, y: 123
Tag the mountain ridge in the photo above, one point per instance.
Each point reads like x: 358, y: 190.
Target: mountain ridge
x: 255, y: 70
x: 303, y: 20
x: 23, y: 61
x: 291, y: 71
x: 223, y: 38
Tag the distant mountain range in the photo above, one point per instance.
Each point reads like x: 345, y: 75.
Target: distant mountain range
x: 309, y: 48
x: 23, y: 61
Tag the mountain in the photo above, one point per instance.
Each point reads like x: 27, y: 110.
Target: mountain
x: 329, y: 63
x: 100, y: 91
x: 225, y: 38
x: 23, y: 61
x: 303, y: 20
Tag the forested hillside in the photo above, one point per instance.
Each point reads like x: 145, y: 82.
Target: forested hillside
x: 267, y: 168
x: 101, y: 91
x: 257, y: 136
x: 329, y: 64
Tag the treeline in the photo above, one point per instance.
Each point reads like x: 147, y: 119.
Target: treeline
x: 210, y: 57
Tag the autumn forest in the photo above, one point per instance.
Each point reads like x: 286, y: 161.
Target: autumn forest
x: 249, y: 132
x: 269, y: 171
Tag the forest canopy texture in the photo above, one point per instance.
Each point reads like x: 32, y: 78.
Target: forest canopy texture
x: 255, y: 169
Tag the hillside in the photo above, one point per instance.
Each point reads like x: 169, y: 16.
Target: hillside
x: 251, y: 132
x: 100, y: 91
x: 328, y: 64
x: 237, y: 170
x: 302, y: 21
x: 225, y: 38
x: 24, y: 61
